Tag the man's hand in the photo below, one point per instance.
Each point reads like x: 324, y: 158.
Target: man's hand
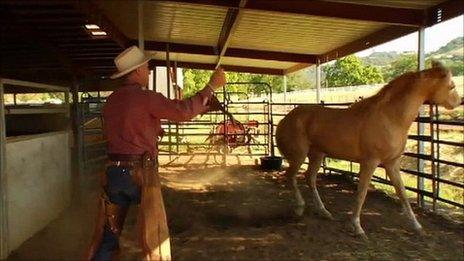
x: 218, y: 79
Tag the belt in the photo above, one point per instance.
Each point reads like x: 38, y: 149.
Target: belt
x: 131, y: 160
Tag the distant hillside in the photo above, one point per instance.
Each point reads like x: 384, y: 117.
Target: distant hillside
x: 453, y: 50
x: 380, y: 58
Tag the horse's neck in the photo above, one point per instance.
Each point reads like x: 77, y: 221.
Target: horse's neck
x: 404, y: 107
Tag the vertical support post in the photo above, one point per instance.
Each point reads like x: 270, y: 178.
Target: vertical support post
x: 15, y: 102
x: 77, y: 146
x: 285, y: 88
x: 420, y: 125
x: 437, y: 152
x: 140, y: 26
x: 155, y: 74
x: 224, y: 120
x: 78, y: 128
x: 168, y: 90
x: 3, y: 195
x: 318, y: 82
x: 271, y: 120
x: 432, y: 154
x: 176, y: 95
x: 150, y: 80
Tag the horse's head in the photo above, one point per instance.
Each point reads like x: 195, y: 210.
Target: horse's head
x: 441, y: 89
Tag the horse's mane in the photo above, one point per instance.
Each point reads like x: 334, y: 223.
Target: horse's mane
x: 397, y: 86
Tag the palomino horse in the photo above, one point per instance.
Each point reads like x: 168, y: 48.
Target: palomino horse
x: 371, y: 132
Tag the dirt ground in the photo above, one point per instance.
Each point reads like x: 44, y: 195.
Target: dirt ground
x: 241, y: 213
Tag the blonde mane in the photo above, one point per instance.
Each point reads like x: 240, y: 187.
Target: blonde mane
x: 398, y: 86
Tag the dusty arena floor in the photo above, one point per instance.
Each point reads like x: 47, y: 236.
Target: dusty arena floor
x: 240, y: 213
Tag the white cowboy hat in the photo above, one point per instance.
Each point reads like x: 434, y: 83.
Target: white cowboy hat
x: 129, y: 60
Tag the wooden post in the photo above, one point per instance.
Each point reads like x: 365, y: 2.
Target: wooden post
x: 3, y: 196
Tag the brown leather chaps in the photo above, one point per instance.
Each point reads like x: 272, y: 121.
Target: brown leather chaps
x: 153, y: 231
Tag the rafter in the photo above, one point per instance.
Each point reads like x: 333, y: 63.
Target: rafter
x: 43, y: 41
x: 363, y: 12
x: 228, y: 28
x: 230, y: 52
x: 444, y: 11
x: 233, y: 68
x: 297, y: 67
x: 96, y: 16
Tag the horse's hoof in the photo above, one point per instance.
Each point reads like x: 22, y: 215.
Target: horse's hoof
x: 363, y: 237
x: 324, y: 213
x: 421, y: 232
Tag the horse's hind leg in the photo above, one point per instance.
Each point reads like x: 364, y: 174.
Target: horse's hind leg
x: 393, y: 172
x: 315, y: 161
x: 292, y: 171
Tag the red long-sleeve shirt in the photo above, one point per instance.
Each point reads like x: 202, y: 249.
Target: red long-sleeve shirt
x: 132, y: 117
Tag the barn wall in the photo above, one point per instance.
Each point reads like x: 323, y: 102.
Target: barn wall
x: 38, y: 172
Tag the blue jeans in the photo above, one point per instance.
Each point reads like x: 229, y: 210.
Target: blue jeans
x: 121, y: 190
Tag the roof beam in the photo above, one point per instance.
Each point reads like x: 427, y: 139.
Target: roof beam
x: 233, y: 68
x: 228, y: 28
x: 382, y: 14
x: 43, y: 41
x: 230, y: 52
x: 449, y: 9
x: 96, y: 16
x: 382, y: 36
x: 444, y: 11
x: 297, y: 67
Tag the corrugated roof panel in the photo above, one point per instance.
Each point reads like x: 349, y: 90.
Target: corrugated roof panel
x: 183, y: 57
x: 272, y: 31
x: 414, y: 4
x: 256, y: 63
x: 169, y: 22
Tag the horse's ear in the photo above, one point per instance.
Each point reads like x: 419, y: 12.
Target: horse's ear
x: 437, y: 64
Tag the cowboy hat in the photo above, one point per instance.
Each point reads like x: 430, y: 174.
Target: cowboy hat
x: 129, y: 60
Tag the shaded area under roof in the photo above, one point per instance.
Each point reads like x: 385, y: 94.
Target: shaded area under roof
x: 45, y: 40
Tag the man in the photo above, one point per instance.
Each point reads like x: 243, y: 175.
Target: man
x: 132, y: 117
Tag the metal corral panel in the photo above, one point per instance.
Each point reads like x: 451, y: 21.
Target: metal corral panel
x: 272, y: 31
x: 257, y: 63
x: 169, y: 22
x: 183, y: 57
x: 415, y: 4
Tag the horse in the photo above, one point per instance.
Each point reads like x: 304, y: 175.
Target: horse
x: 372, y: 132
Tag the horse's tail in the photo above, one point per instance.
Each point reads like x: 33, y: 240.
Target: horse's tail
x: 283, y: 131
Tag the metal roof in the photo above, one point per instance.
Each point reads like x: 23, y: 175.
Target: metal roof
x: 47, y: 39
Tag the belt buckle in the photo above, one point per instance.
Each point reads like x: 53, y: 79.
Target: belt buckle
x: 146, y: 158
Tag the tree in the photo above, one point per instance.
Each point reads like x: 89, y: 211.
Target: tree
x: 195, y: 80
x: 405, y: 63
x: 350, y: 71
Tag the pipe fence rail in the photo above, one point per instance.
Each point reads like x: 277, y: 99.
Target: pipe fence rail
x: 433, y: 175
x: 441, y: 177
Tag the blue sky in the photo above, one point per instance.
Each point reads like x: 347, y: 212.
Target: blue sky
x: 435, y: 37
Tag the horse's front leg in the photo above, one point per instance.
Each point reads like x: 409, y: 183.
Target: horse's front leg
x: 365, y: 175
x: 393, y: 172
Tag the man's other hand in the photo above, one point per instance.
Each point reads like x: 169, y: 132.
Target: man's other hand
x: 218, y: 79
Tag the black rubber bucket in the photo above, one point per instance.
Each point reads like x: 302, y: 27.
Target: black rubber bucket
x: 271, y: 163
